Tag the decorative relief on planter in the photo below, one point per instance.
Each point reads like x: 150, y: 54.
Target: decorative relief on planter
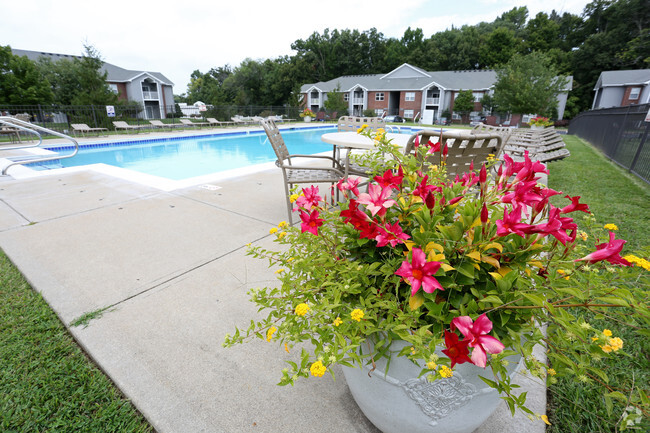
x: 438, y: 399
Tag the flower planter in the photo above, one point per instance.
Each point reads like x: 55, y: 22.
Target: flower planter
x: 307, y: 118
x: 401, y: 402
x: 536, y: 127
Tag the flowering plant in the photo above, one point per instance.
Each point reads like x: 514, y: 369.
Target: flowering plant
x: 307, y: 113
x: 540, y: 121
x: 474, y: 265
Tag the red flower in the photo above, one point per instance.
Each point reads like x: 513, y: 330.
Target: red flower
x: 575, y: 206
x: 476, y: 333
x: 391, y: 234
x: 389, y: 180
x: 456, y: 350
x: 310, y: 222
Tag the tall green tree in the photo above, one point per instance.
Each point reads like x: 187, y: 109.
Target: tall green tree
x: 21, y: 82
x: 464, y: 104
x: 528, y: 84
x: 335, y: 102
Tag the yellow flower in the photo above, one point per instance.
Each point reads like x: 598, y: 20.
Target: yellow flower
x: 293, y: 198
x: 357, y: 315
x: 270, y: 332
x: 607, y: 333
x: 583, y: 235
x: 286, y: 348
x: 281, y: 235
x: 446, y: 371
x: 273, y: 230
x: 594, y: 338
x: 610, y: 227
x: 302, y: 309
x: 490, y: 157
x: 362, y: 128
x: 606, y: 348
x: 283, y: 224
x: 643, y: 263
x: 318, y: 369
x: 551, y: 372
x: 561, y: 271
x: 615, y: 343
x: 337, y: 321
x: 279, y: 271
x: 432, y: 365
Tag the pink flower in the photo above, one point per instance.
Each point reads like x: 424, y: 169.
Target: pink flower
x: 511, y: 223
x: 377, y: 199
x: 310, y: 222
x: 419, y: 273
x: 608, y: 251
x: 349, y: 184
x: 575, y: 206
x: 476, y: 332
x: 391, y: 234
x: 309, y: 198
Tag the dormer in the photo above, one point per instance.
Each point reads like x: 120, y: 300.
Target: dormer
x: 406, y: 71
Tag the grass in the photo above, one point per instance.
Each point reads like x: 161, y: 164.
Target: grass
x: 614, y: 196
x: 47, y: 384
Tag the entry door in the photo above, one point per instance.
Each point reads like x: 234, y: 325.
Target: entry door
x: 427, y: 117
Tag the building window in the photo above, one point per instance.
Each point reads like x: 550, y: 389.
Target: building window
x: 409, y: 96
x: 379, y: 96
x: 408, y: 114
x: 379, y: 112
x: 113, y: 87
x: 635, y: 92
x: 314, y: 95
x: 346, y: 97
x: 477, y: 96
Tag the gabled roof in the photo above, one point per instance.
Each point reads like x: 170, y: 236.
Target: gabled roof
x: 115, y: 74
x: 631, y: 77
x: 408, y: 77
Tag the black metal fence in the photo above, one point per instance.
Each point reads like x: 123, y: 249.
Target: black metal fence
x: 60, y: 117
x: 621, y: 133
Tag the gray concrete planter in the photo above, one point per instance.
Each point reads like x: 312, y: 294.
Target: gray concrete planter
x: 399, y: 401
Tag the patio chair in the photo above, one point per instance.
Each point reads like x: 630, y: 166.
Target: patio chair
x: 214, y: 122
x: 296, y: 174
x: 463, y: 147
x: 188, y: 122
x: 353, y: 123
x: 85, y: 129
x: 159, y: 124
x: 120, y: 124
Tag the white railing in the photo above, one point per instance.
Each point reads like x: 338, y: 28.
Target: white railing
x: 357, y: 101
x: 149, y: 95
x: 433, y: 101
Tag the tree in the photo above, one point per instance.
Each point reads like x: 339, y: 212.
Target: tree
x: 528, y: 84
x: 21, y: 82
x: 464, y: 103
x: 335, y: 102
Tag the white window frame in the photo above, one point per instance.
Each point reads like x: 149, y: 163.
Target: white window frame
x: 346, y: 97
x: 113, y: 87
x: 409, y: 97
x: 477, y: 96
x: 635, y: 93
x: 408, y: 114
x: 379, y: 112
x: 379, y: 96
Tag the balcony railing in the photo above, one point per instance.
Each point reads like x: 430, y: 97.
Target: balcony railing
x: 357, y: 101
x: 433, y: 101
x: 149, y: 95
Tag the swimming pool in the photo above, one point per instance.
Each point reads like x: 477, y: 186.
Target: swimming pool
x: 179, y: 158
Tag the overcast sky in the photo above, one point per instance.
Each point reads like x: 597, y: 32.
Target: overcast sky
x: 177, y: 37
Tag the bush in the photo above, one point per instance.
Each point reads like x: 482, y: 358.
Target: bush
x: 561, y: 123
x: 369, y: 113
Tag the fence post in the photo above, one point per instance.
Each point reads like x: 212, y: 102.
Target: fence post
x: 92, y: 107
x: 638, y: 151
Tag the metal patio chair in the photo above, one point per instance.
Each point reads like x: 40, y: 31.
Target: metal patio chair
x: 296, y: 174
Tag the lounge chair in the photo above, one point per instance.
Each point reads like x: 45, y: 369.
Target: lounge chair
x: 188, y: 122
x: 120, y: 124
x: 463, y: 147
x: 214, y: 122
x: 159, y: 124
x: 85, y: 129
x: 296, y: 174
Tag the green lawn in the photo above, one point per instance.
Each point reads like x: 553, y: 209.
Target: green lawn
x: 614, y: 196
x: 47, y: 384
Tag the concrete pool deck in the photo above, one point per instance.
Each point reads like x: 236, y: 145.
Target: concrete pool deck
x: 170, y: 269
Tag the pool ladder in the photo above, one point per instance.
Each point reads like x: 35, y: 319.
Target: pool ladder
x: 11, y: 125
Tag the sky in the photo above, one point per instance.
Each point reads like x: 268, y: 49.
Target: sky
x: 177, y: 37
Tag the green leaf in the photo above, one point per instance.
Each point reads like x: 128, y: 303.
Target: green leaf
x: 491, y: 299
x: 537, y: 300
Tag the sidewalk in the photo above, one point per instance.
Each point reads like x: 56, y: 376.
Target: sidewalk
x: 171, y: 271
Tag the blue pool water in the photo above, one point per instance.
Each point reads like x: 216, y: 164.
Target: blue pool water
x: 180, y: 158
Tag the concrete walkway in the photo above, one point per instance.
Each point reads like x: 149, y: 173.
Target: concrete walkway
x: 170, y: 273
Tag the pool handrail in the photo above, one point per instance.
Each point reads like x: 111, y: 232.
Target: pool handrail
x: 31, y: 128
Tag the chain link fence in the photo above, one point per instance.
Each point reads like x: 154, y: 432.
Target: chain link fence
x: 60, y: 117
x: 621, y: 133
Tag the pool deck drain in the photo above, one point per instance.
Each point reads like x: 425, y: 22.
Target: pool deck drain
x: 174, y: 267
